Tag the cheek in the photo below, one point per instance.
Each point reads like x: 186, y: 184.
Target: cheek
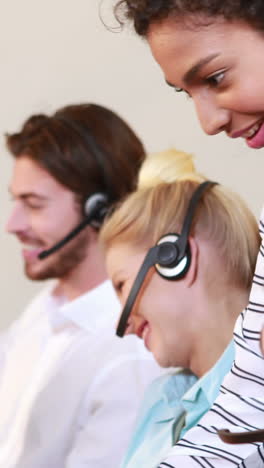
x: 67, y: 218
x: 251, y: 97
x: 38, y: 222
x: 158, y: 308
x: 246, y: 96
x: 44, y: 229
x: 49, y: 225
x: 123, y: 296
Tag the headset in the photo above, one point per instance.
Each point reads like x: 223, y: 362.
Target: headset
x: 171, y: 257
x: 95, y: 208
x: 97, y: 204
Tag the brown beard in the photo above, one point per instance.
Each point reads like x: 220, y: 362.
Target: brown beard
x: 62, y: 262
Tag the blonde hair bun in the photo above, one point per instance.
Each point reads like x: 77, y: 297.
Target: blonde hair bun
x: 167, y: 167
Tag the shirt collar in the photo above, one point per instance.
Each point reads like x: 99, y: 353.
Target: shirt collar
x: 166, y: 394
x: 95, y: 309
x: 176, y: 385
x: 205, y: 386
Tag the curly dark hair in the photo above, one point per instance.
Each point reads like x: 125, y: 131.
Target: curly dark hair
x: 143, y: 13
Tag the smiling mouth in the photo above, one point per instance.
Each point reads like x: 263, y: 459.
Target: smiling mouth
x: 141, y: 329
x: 31, y: 247
x: 250, y: 132
x: 31, y: 252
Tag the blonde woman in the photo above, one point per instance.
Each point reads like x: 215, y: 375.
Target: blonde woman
x: 181, y: 254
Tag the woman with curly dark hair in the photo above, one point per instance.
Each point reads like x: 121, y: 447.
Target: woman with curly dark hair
x: 213, y: 50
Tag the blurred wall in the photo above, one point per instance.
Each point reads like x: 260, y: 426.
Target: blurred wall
x: 58, y: 52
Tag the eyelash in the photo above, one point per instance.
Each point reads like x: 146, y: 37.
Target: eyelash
x: 214, y: 80
x: 181, y: 90
x: 119, y: 286
x: 33, y: 207
x: 28, y: 204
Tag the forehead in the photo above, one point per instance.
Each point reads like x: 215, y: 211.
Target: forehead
x: 178, y: 46
x: 123, y: 257
x: 28, y: 176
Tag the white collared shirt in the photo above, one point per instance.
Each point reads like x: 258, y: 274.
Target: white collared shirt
x: 69, y: 388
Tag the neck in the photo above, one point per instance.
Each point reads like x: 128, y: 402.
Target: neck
x: 219, y: 317
x: 85, y: 276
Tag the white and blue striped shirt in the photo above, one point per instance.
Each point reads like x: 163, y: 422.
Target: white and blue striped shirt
x: 240, y: 404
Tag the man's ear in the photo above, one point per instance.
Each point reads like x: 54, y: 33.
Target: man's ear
x: 193, y: 270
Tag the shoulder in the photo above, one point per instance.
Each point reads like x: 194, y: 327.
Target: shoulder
x: 35, y: 306
x: 27, y: 317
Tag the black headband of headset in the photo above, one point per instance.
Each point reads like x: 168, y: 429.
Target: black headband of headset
x: 92, y: 144
x: 152, y: 257
x: 99, y: 201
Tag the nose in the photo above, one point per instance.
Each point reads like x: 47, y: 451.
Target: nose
x: 213, y: 118
x: 17, y: 222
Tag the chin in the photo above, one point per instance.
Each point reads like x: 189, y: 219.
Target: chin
x: 163, y: 361
x: 38, y: 274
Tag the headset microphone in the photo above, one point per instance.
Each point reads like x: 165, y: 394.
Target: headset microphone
x: 95, y: 208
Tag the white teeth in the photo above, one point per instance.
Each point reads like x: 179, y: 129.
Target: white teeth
x: 253, y: 130
x: 31, y: 247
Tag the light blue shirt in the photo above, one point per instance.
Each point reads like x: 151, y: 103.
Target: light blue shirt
x: 171, y: 401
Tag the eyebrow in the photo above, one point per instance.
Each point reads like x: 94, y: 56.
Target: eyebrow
x: 26, y: 195
x: 195, y: 69
x: 33, y: 195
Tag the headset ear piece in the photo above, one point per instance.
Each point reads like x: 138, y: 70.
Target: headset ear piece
x: 168, y: 265
x: 96, y: 206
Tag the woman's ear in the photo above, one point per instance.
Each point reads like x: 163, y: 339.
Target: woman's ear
x: 193, y: 269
